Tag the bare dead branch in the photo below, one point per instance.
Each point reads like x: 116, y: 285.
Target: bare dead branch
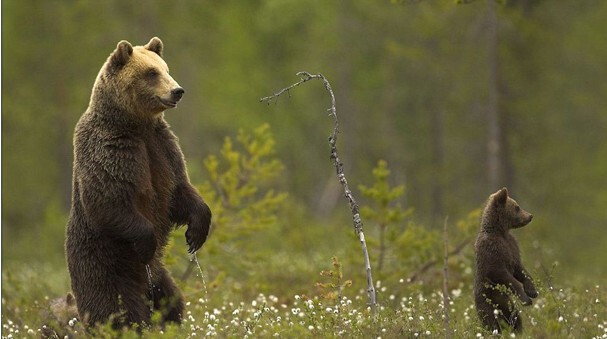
x: 354, y: 208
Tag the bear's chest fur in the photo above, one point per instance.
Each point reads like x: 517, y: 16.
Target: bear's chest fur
x: 498, y: 250
x: 155, y: 195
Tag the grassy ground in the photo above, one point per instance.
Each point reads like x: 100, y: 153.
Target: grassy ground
x: 231, y: 308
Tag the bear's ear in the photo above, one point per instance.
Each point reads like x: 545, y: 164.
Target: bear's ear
x: 501, y: 196
x: 121, y: 55
x: 155, y: 45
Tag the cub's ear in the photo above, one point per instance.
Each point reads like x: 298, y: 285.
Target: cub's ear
x: 120, y: 56
x: 69, y: 299
x: 501, y: 196
x: 155, y: 45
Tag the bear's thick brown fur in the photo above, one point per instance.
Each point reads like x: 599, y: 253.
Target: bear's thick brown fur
x: 130, y: 189
x: 498, y: 262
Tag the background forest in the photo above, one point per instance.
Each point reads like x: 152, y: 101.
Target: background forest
x: 459, y: 100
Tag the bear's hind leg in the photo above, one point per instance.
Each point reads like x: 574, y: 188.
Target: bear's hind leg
x: 514, y: 320
x: 488, y: 317
x: 167, y: 297
x: 137, y: 311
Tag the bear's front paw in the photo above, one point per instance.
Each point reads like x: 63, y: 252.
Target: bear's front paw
x: 145, y: 246
x: 198, y: 229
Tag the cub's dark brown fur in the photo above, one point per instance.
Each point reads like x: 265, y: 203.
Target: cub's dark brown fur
x: 498, y: 262
x: 57, y: 318
x: 130, y: 189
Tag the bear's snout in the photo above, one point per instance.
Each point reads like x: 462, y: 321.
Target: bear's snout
x: 177, y: 93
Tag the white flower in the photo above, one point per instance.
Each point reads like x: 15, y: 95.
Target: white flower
x: 310, y: 327
x: 561, y: 319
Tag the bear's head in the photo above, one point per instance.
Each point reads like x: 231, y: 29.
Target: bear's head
x: 138, y: 79
x: 504, y: 213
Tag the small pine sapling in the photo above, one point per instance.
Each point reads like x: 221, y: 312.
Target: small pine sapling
x: 333, y: 289
x: 239, y: 189
x: 386, y: 211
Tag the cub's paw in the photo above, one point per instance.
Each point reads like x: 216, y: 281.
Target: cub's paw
x: 145, y: 246
x: 198, y: 228
x: 531, y: 292
x: 525, y: 300
x: 530, y: 289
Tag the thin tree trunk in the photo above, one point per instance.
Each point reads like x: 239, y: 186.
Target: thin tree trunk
x: 494, y: 136
x: 437, y: 164
x: 382, y: 247
x: 448, y: 332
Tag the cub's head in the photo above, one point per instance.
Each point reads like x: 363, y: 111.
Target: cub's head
x: 138, y: 79
x: 504, y: 212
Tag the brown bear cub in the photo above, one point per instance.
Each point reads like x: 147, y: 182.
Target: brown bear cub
x: 498, y: 264
x: 130, y: 189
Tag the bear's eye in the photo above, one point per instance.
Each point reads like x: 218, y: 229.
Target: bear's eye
x: 517, y: 209
x: 152, y: 73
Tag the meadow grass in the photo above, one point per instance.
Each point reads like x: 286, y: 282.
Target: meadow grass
x: 229, y: 310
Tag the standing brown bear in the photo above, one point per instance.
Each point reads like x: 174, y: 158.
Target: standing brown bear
x: 130, y: 189
x: 498, y: 263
